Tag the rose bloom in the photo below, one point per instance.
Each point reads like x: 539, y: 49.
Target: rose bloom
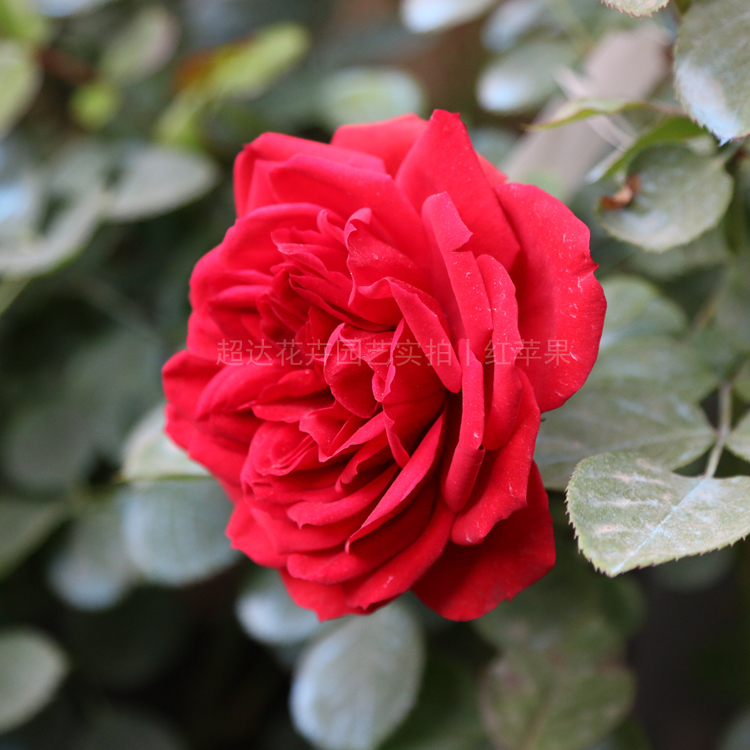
x: 369, y: 352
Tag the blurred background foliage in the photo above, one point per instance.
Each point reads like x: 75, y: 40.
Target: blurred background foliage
x: 126, y: 620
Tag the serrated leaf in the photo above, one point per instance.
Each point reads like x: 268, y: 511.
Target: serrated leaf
x: 93, y: 570
x: 446, y: 716
x: 637, y: 308
x: 680, y: 196
x: 158, y: 179
x: 357, y: 95
x: 582, y: 109
x: 712, y: 66
x: 32, y: 666
x: 637, y: 7
x: 629, y: 512
x: 175, y: 529
x: 523, y: 79
x: 143, y: 47
x: 21, y: 77
x: 535, y: 701
x: 355, y: 684
x: 24, y: 525
x: 657, y: 363
x: 434, y: 15
x: 739, y: 439
x: 663, y: 427
x: 268, y: 614
x: 150, y: 454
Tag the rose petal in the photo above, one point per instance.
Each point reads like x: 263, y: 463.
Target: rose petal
x: 561, y: 304
x: 443, y: 160
x: 467, y: 582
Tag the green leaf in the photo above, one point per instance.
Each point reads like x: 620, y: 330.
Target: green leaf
x: 708, y: 250
x: 739, y: 439
x: 538, y: 701
x: 174, y: 529
x: 143, y: 47
x: 93, y: 571
x: 629, y: 512
x: 446, y: 716
x: 158, y: 179
x: 695, y: 573
x: 48, y: 446
x: 663, y: 427
x: 523, y: 79
x: 582, y: 109
x: 564, y: 613
x: 268, y: 614
x: 681, y: 196
x: 19, y: 19
x: 67, y: 7
x: 24, y: 525
x: 247, y: 69
x: 733, y: 305
x: 637, y: 7
x: 737, y: 735
x: 21, y: 78
x: 32, y: 666
x: 669, y: 130
x: 712, y: 66
x: 355, y: 684
x: 742, y: 382
x: 434, y: 15
x: 128, y: 730
x: 150, y: 454
x: 68, y: 234
x: 357, y: 95
x: 95, y: 104
x: 637, y: 308
x: 656, y: 363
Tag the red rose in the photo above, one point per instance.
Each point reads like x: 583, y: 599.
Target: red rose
x: 368, y: 355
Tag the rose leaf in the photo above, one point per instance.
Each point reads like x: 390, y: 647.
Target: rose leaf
x: 267, y: 613
x: 355, y: 684
x: 174, y: 529
x: 712, y: 66
x: 541, y: 701
x: 681, y: 195
x: 31, y: 669
x: 630, y: 512
x: 663, y: 427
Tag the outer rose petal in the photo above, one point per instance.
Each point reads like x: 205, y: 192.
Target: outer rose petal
x: 443, y: 160
x: 559, y: 299
x: 247, y: 535
x: 467, y: 582
x: 390, y: 140
x: 275, y: 147
x: 328, y: 602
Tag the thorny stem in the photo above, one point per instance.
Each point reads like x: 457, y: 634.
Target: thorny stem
x: 723, y: 428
